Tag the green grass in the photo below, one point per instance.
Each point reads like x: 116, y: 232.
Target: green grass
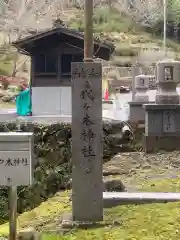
x: 6, y: 67
x: 154, y: 185
x: 7, y: 104
x: 41, y: 215
x: 144, y: 222
x: 130, y: 222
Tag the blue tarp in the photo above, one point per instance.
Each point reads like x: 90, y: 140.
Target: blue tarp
x: 23, y: 103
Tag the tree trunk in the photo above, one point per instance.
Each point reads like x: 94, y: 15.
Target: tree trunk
x: 14, y: 70
x: 5, y: 85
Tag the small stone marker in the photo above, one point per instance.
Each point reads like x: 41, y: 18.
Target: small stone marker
x: 168, y: 73
x: 87, y: 184
x: 141, y: 86
x: 136, y: 111
x: 16, y: 158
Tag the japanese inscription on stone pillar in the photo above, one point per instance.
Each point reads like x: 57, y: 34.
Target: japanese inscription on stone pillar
x: 168, y: 122
x: 87, y: 153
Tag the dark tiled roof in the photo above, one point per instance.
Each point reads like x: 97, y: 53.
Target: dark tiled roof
x: 64, y: 30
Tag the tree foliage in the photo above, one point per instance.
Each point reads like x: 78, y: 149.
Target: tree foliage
x: 174, y: 11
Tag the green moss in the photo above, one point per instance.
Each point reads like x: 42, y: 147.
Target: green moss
x: 156, y: 185
x: 43, y: 214
x: 52, y: 171
x: 139, y: 222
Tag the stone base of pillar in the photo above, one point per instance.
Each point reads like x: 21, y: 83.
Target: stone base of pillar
x: 162, y: 127
x: 68, y: 223
x: 137, y: 112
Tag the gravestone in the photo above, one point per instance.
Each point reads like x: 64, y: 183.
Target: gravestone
x: 141, y: 86
x: 87, y: 183
x: 167, y: 80
x: 162, y: 119
x: 141, y: 97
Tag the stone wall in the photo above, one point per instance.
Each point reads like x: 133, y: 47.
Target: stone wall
x: 52, y: 160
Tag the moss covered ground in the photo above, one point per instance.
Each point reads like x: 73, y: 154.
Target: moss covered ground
x: 136, y: 222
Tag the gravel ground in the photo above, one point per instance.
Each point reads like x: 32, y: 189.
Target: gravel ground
x: 135, y: 167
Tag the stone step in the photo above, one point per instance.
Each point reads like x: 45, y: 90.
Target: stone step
x: 112, y: 199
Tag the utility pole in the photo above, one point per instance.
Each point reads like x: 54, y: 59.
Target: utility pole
x: 88, y: 33
x: 165, y: 28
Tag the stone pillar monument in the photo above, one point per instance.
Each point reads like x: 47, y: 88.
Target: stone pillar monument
x: 87, y: 151
x: 162, y: 119
x: 167, y: 80
x: 141, y: 97
x: 141, y: 86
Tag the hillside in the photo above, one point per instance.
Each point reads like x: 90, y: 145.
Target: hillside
x: 111, y: 25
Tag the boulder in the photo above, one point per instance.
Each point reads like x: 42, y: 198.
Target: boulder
x: 113, y: 185
x: 7, y: 98
x: 28, y: 234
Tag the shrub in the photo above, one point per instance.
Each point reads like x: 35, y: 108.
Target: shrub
x: 106, y: 20
x: 125, y: 50
x: 52, y: 163
x: 122, y: 61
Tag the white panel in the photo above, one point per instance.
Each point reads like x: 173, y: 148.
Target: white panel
x: 15, y: 168
x: 46, y: 100
x: 66, y: 107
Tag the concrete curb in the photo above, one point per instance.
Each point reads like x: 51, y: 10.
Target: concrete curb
x: 112, y: 199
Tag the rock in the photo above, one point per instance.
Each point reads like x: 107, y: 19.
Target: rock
x: 69, y: 184
x: 2, y: 93
x: 110, y: 172
x: 28, y: 234
x: 116, y: 127
x: 67, y: 222
x: 7, y: 98
x: 114, y: 185
x: 109, y: 185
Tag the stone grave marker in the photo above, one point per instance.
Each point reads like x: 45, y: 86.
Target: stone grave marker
x: 162, y: 125
x: 137, y: 113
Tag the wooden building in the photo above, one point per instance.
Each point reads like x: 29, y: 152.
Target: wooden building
x: 51, y: 54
